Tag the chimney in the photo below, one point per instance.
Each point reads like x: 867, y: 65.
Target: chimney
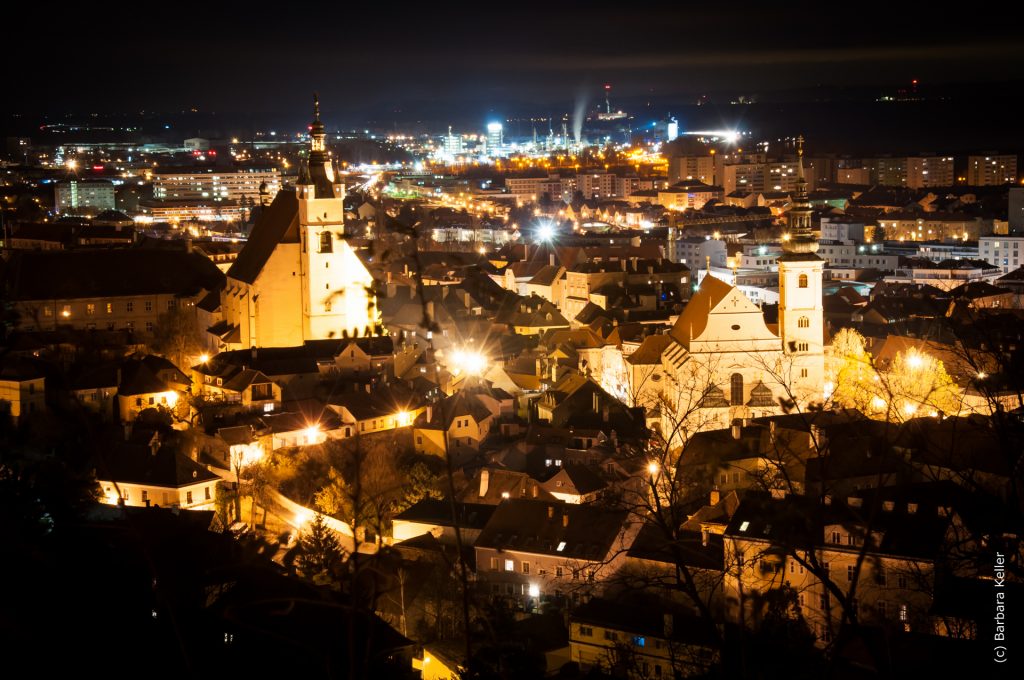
x: 551, y: 259
x: 565, y: 519
x: 551, y: 512
x: 819, y: 438
x: 704, y: 531
x: 737, y: 430
x: 485, y: 481
x: 253, y: 352
x: 716, y: 496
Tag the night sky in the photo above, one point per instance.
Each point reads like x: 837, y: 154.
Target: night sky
x: 379, y: 60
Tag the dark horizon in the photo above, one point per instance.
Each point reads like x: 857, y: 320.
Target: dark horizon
x: 413, y: 64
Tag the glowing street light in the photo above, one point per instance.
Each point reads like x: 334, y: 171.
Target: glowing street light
x: 203, y: 358
x: 545, y: 232
x: 653, y: 468
x: 312, y: 434
x: 471, y: 362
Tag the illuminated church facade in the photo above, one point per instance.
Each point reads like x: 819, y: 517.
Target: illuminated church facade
x: 722, y: 361
x: 297, y: 278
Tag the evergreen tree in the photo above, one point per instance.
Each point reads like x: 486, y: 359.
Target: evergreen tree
x: 321, y: 551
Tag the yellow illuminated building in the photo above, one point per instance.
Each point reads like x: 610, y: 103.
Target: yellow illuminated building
x: 298, y: 278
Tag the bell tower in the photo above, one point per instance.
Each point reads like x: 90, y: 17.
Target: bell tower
x: 337, y: 289
x: 801, y: 313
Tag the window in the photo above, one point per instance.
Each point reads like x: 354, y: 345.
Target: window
x: 803, y: 372
x: 207, y: 492
x: 802, y: 281
x: 90, y: 309
x: 129, y: 306
x: 327, y: 305
x: 851, y: 571
x: 170, y: 305
x: 188, y: 497
x: 736, y: 389
x: 145, y: 495
x: 148, y: 304
x: 836, y: 537
x: 904, y: 613
x: 575, y: 574
x: 901, y: 580
x: 883, y: 609
x: 326, y: 244
x: 609, y: 635
x: 803, y: 322
x: 558, y: 572
x: 510, y: 565
x: 110, y: 308
x: 640, y: 641
x: 586, y: 631
x: 494, y: 564
x: 802, y: 347
x: 149, y: 326
x: 590, y: 575
x: 526, y: 567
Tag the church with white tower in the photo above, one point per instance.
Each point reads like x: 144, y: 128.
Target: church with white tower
x: 297, y: 278
x: 722, y: 361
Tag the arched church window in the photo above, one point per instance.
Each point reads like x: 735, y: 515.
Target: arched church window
x: 327, y: 246
x: 803, y: 322
x: 802, y: 281
x: 736, y: 391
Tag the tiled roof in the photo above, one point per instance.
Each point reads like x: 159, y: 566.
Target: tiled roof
x: 279, y: 223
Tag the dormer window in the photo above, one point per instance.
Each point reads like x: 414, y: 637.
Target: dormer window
x: 326, y: 242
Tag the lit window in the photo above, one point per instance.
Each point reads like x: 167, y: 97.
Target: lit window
x: 744, y: 526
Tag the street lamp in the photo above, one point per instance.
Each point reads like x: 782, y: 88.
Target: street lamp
x: 471, y: 362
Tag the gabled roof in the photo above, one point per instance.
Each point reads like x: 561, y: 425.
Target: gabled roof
x: 279, y: 223
x: 583, y: 480
x: 650, y: 350
x: 694, y: 319
x: 439, y: 512
x: 547, y: 275
x: 135, y: 463
x: 540, y: 527
x: 653, y: 544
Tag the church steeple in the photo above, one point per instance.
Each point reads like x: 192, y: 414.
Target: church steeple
x: 321, y: 171
x: 800, y: 240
